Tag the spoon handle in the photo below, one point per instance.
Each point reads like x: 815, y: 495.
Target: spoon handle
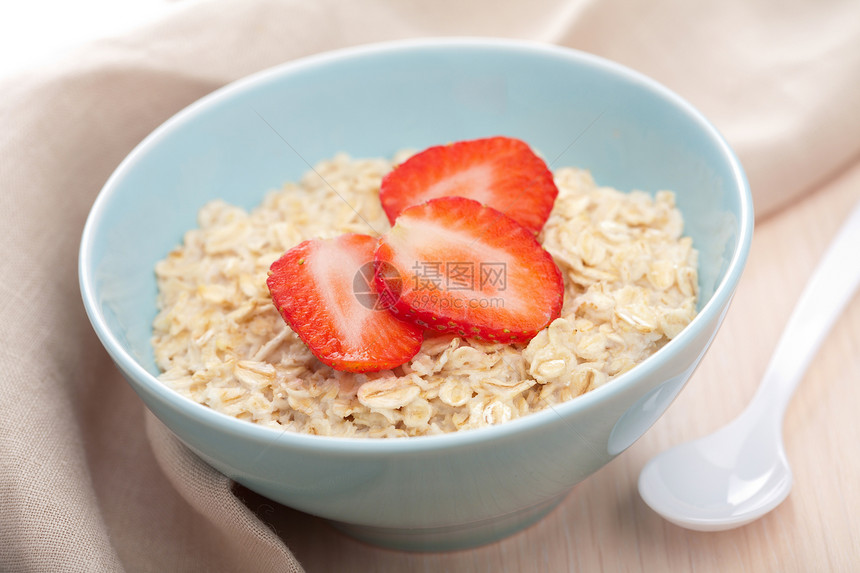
x: 830, y: 288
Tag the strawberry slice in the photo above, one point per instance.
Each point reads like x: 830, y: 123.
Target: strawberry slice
x: 322, y: 290
x: 454, y: 265
x: 501, y: 172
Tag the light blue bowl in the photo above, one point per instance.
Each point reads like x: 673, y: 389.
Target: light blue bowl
x: 438, y: 492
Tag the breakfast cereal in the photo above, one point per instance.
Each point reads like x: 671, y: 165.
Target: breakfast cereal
x: 630, y: 279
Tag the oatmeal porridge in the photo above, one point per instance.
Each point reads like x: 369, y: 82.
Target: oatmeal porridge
x: 630, y: 286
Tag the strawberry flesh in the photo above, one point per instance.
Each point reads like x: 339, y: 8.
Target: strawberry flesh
x: 501, y: 172
x: 324, y: 290
x: 454, y: 265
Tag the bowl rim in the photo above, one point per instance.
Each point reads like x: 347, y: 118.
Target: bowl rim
x: 720, y: 298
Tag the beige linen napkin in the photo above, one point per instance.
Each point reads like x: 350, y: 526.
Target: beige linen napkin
x: 88, y: 482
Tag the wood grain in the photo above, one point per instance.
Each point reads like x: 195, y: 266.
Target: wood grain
x: 603, y: 525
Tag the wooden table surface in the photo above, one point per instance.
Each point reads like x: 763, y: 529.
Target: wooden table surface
x: 603, y: 525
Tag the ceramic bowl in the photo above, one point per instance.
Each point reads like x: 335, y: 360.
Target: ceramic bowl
x: 436, y: 492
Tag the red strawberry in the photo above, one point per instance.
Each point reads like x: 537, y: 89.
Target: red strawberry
x: 500, y: 172
x: 455, y: 265
x: 320, y: 287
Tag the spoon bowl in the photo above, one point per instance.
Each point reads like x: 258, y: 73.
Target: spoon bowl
x: 721, y: 481
x: 740, y: 472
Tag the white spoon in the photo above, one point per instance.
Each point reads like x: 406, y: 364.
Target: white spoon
x: 740, y: 472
